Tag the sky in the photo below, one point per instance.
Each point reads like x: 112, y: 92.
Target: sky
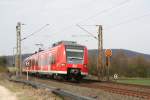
x: 125, y: 23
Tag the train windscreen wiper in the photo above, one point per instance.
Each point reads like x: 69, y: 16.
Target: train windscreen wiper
x: 79, y: 58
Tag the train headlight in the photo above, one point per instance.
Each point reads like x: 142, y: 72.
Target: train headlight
x: 63, y: 64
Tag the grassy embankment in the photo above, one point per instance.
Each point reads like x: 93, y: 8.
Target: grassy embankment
x: 139, y: 81
x: 3, y: 69
x: 24, y: 92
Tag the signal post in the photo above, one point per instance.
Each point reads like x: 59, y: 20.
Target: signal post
x: 108, y: 54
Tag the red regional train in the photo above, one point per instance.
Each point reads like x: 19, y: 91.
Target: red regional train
x: 66, y: 59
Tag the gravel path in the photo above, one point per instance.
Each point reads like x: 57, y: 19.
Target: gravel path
x: 98, y: 94
x: 95, y: 93
x: 5, y: 94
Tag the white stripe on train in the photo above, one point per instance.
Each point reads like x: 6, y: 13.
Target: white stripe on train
x: 50, y: 72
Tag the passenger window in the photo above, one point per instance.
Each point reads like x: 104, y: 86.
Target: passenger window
x: 50, y: 59
x: 33, y: 62
x: 53, y: 59
x: 36, y: 62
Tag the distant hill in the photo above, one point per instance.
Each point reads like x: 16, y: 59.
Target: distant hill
x: 128, y: 53
x: 93, y: 52
x: 11, y: 59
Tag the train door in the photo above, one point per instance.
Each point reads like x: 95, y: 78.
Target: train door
x: 40, y: 62
x: 49, y: 62
x: 34, y: 59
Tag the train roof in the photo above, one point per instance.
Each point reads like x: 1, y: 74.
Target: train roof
x: 73, y: 43
x: 66, y: 43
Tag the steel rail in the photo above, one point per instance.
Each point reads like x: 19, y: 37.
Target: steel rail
x: 58, y: 91
x: 108, y: 87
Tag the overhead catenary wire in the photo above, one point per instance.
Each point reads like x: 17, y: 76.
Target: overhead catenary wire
x: 35, y: 32
x: 101, y: 12
x: 105, y: 10
x: 86, y: 31
x: 128, y: 21
x: 83, y: 35
x: 90, y: 17
x: 116, y: 25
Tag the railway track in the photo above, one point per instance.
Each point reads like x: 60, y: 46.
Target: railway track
x: 119, y: 88
x: 138, y: 94
x: 112, y: 87
x: 58, y: 91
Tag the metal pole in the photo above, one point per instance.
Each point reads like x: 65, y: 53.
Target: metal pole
x: 100, y: 53
x: 14, y: 61
x: 13, y: 58
x: 108, y: 66
x: 27, y: 73
x: 18, y: 50
x: 20, y: 64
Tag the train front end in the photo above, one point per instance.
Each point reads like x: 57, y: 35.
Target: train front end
x: 77, y: 60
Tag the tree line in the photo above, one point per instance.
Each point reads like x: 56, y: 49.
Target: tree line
x: 3, y: 63
x: 123, y: 65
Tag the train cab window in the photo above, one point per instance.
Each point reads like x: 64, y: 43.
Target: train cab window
x: 75, y: 54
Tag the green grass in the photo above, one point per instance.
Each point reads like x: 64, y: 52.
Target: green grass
x: 3, y: 69
x: 12, y: 69
x: 139, y: 81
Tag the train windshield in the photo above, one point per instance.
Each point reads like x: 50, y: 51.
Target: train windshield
x: 75, y: 55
